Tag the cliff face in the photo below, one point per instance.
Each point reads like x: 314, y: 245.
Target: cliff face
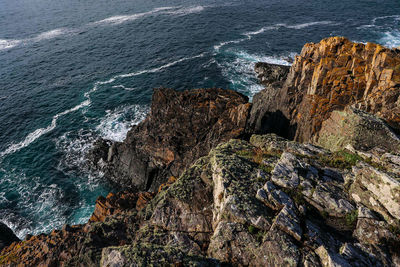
x: 181, y: 127
x: 332, y: 75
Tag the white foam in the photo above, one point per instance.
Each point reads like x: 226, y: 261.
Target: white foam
x: 7, y: 44
x: 249, y: 35
x: 153, y: 70
x: 116, y: 124
x: 309, y: 24
x: 114, y: 20
x: 33, y: 136
x: 50, y: 34
x: 186, y: 11
x: 239, y: 71
x: 218, y: 46
x: 124, y: 87
x: 396, y: 17
x: 390, y: 39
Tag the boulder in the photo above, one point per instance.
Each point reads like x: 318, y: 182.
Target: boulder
x: 356, y: 128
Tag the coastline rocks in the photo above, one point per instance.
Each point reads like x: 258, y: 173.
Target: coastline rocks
x: 7, y: 236
x: 181, y: 127
x: 332, y: 75
x: 226, y: 209
x: 118, y: 203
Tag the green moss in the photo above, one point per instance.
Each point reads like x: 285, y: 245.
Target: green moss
x: 296, y: 194
x: 325, y: 214
x: 266, y: 168
x: 341, y: 160
x: 245, y: 153
x: 351, y: 218
x: 395, y: 229
x: 252, y: 229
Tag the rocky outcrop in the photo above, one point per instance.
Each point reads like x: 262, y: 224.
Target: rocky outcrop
x: 7, y: 236
x: 181, y: 127
x: 358, y: 129
x: 267, y: 202
x: 332, y: 75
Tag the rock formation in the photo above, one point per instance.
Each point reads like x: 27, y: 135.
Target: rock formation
x: 181, y: 127
x: 197, y: 195
x: 332, y: 75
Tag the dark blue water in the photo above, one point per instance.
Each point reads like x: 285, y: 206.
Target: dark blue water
x: 71, y: 71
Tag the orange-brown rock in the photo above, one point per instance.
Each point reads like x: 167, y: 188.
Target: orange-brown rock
x: 333, y: 74
x: 118, y: 203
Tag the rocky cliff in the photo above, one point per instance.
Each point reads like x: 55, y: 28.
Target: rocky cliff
x: 204, y: 185
x: 331, y: 75
x: 181, y: 127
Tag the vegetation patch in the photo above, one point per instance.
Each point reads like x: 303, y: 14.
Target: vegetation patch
x: 296, y: 194
x: 340, y: 160
x: 351, y: 218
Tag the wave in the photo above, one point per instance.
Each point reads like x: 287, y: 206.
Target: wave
x: 390, y: 39
x: 238, y: 68
x: 249, y: 35
x: 110, y: 21
x: 125, y: 88
x: 158, y: 68
x: 7, y: 44
x: 115, y: 20
x: 116, y: 124
x: 32, y: 137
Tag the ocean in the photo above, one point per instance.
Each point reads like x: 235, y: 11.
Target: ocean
x: 72, y: 71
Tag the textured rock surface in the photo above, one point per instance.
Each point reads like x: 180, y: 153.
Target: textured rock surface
x: 332, y: 75
x: 181, y: 127
x: 231, y: 207
x: 358, y: 129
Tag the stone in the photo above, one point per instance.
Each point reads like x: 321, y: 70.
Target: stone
x: 288, y: 221
x: 358, y: 129
x: 377, y: 190
x: 285, y: 173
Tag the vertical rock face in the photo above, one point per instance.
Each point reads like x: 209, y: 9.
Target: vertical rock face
x: 181, y: 127
x: 333, y: 74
